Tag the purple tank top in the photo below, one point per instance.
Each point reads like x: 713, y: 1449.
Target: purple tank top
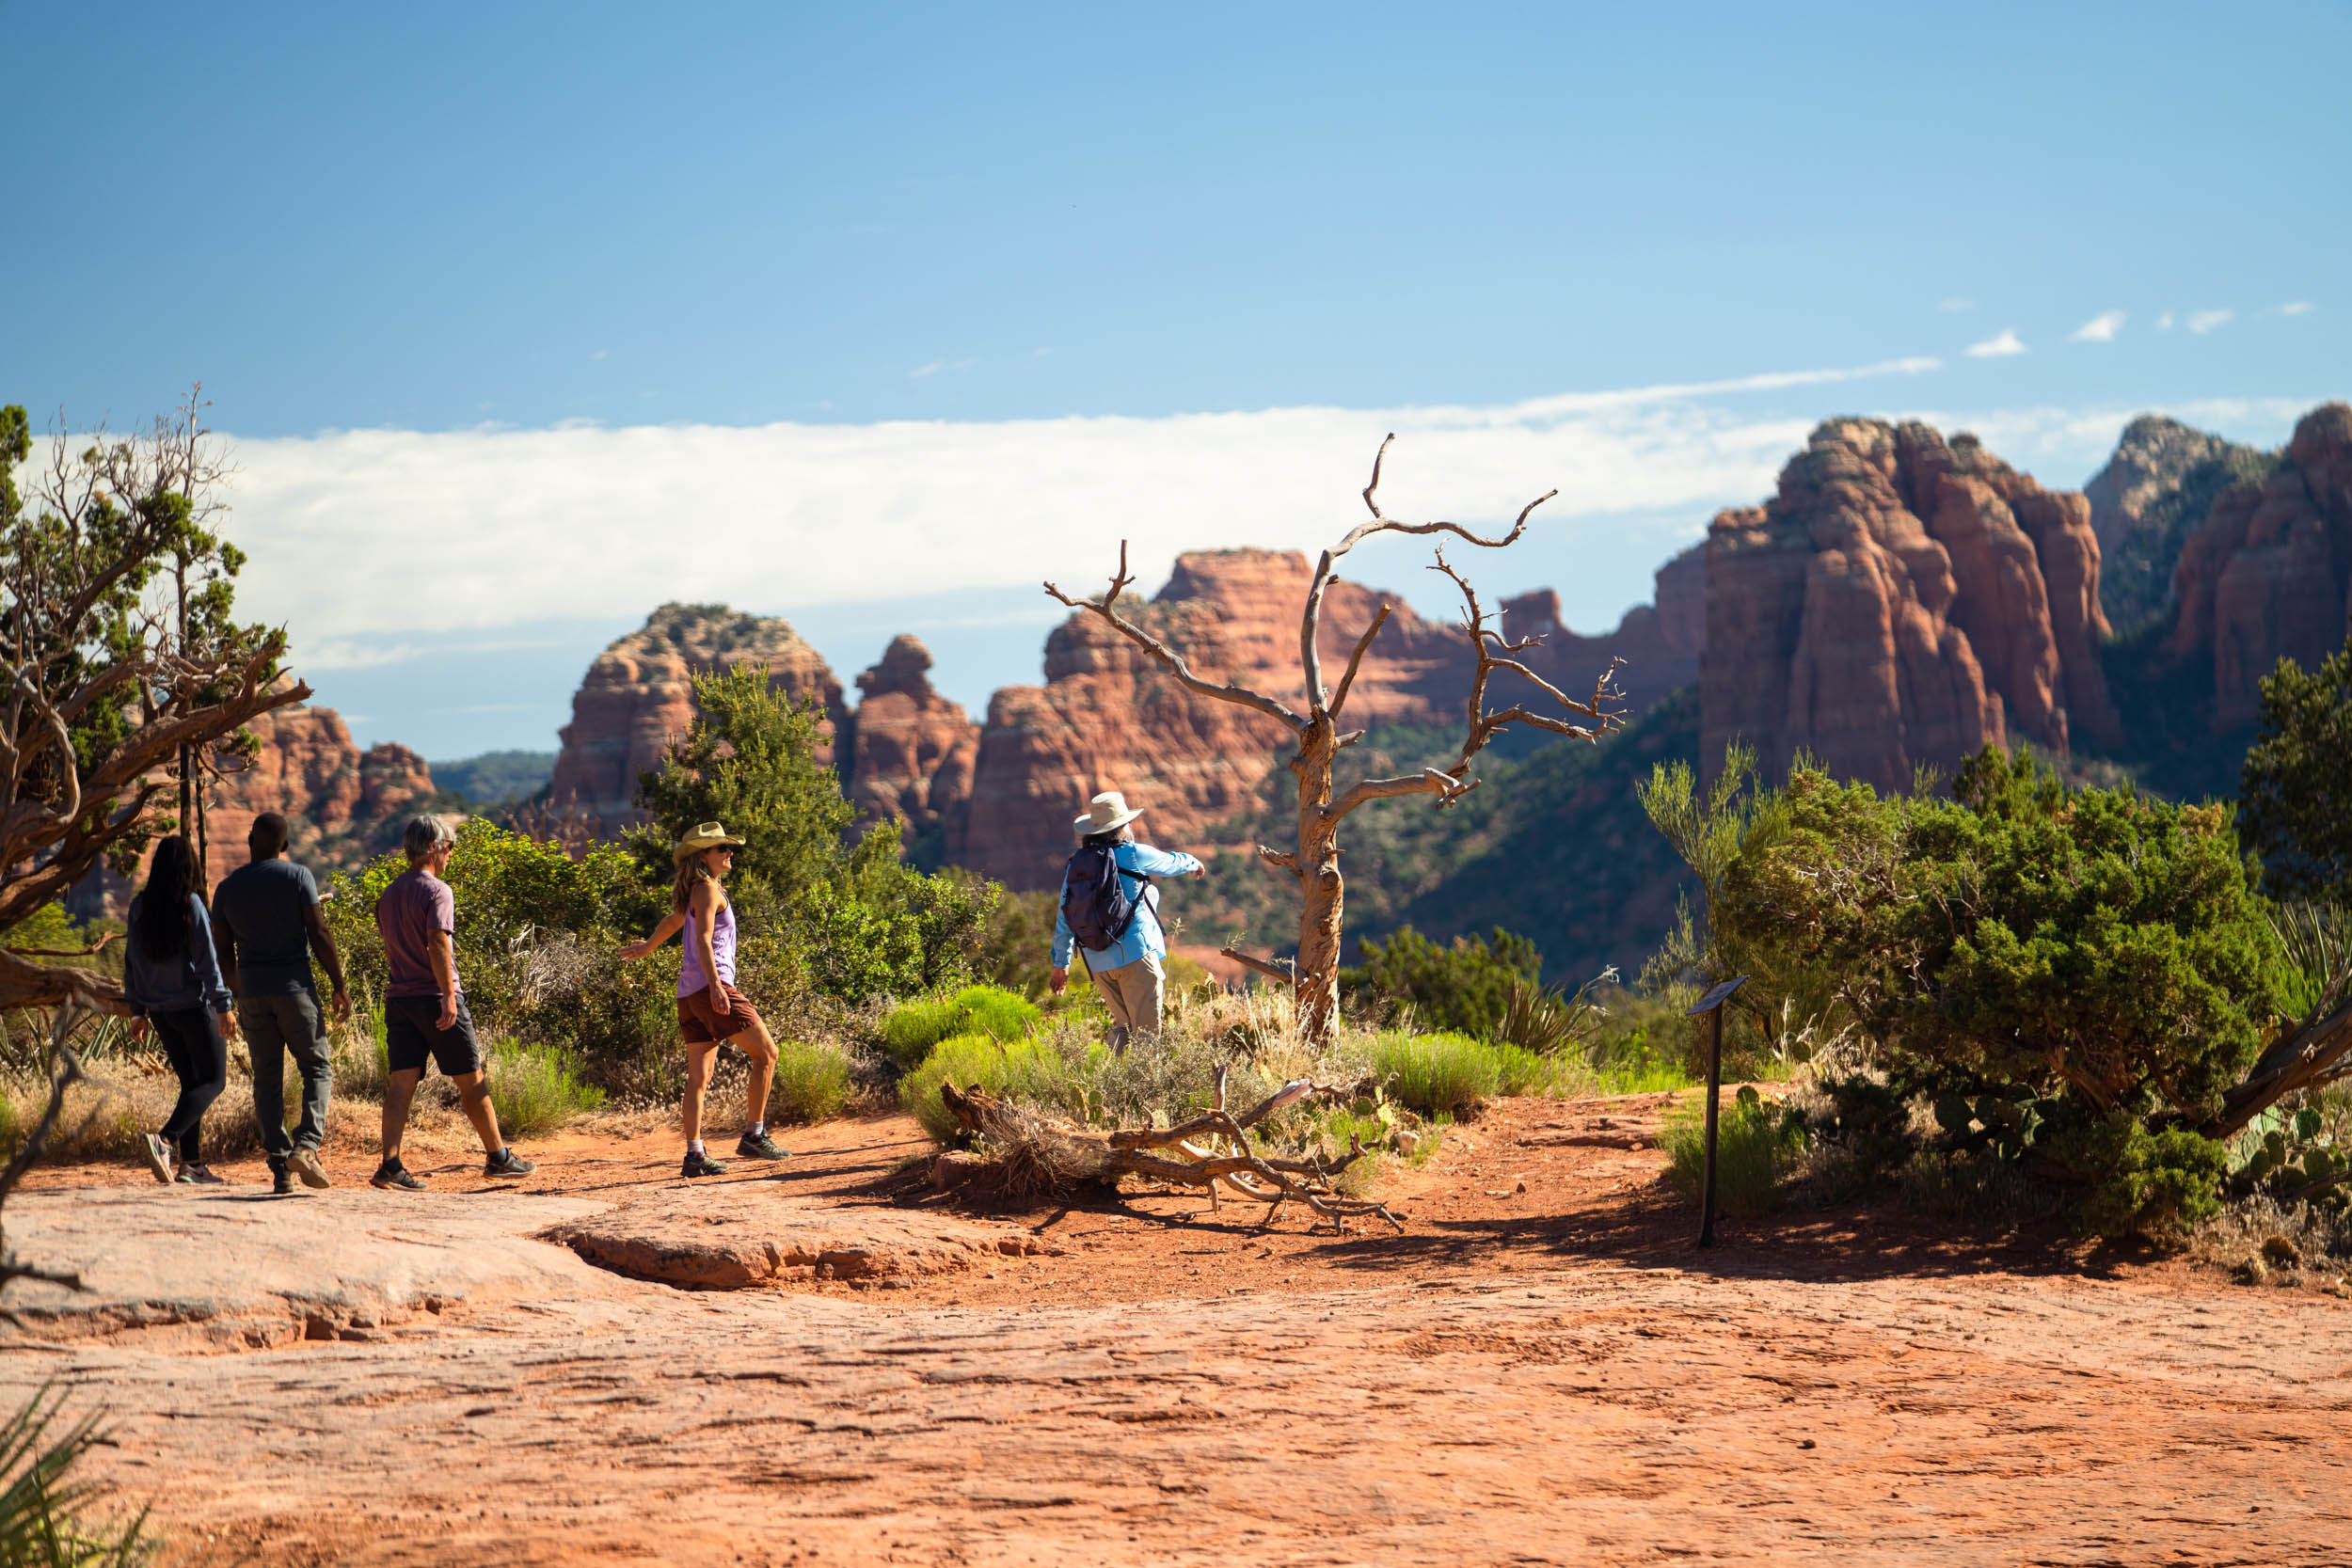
x: 690, y: 977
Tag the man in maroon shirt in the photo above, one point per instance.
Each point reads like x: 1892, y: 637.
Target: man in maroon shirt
x: 424, y: 1007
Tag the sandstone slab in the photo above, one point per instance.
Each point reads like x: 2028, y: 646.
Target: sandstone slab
x: 740, y: 1236
x: 228, y: 1269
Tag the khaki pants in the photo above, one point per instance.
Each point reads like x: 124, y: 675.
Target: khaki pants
x: 1133, y: 993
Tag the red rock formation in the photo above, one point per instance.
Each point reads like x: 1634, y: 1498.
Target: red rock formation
x: 1109, y: 718
x: 639, y: 693
x: 2268, y: 573
x: 342, y: 805
x: 1900, y: 601
x: 912, y: 750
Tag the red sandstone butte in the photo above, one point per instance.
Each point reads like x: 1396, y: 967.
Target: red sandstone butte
x: 639, y: 694
x: 2268, y: 573
x: 1109, y: 718
x: 910, y: 749
x: 1900, y: 601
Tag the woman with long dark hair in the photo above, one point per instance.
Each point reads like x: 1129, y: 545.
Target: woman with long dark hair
x: 171, y: 978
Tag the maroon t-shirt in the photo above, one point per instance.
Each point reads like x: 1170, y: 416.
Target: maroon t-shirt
x: 417, y: 905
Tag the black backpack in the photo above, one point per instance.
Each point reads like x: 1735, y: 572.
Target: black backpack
x: 1095, y: 901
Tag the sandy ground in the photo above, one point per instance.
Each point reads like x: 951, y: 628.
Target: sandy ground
x: 1541, y: 1369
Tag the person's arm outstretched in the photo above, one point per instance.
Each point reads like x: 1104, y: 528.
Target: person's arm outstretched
x: 670, y: 926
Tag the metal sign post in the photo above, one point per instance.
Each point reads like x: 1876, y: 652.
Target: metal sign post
x: 1712, y: 1003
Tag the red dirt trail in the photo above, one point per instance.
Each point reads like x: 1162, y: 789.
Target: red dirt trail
x: 1540, y: 1369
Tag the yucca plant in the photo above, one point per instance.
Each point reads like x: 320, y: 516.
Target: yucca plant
x: 40, y: 1522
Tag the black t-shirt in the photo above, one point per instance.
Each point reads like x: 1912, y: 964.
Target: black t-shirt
x: 261, y: 905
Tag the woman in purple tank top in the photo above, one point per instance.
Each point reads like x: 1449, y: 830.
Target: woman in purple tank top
x: 710, y: 1011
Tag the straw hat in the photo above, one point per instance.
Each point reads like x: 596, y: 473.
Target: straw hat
x: 1106, y: 812
x: 708, y: 836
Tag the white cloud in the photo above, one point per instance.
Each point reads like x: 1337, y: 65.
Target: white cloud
x: 1998, y: 347
x: 2205, y: 321
x: 1955, y: 305
x: 372, y: 545
x: 2164, y: 323
x: 2100, y: 328
x: 2295, y: 308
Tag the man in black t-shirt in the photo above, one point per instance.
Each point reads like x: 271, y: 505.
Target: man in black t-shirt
x: 266, y: 925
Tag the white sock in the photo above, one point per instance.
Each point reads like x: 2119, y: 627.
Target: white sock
x: 694, y: 1146
x: 758, y: 1130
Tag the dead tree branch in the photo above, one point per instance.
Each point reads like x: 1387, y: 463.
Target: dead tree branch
x: 1279, y: 969
x: 1174, y: 662
x: 65, y: 1071
x: 1208, y: 1151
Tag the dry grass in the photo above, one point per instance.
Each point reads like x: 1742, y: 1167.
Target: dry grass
x: 2266, y: 1243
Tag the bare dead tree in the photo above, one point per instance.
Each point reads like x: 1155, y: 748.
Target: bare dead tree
x: 105, y: 694
x: 1042, y: 1158
x: 1314, y: 858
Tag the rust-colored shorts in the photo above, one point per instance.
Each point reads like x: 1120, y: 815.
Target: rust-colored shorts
x: 700, y: 1025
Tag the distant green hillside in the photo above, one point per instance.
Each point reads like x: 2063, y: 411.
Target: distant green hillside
x: 1553, y: 845
x: 496, y: 778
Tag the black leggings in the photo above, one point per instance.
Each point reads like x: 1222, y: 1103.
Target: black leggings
x: 191, y: 1038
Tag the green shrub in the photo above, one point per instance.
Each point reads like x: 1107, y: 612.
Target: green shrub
x: 1430, y: 1073
x: 1524, y: 1073
x: 1464, y: 987
x: 1024, y: 1068
x: 1756, y: 1146
x: 536, y: 1088
x: 2091, y: 944
x: 812, y: 1083
x: 2296, y: 780
x: 913, y: 1027
x: 2156, y: 1185
x: 40, y: 1505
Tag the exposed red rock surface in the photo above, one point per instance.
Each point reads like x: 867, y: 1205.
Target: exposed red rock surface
x: 1901, y: 601
x: 2267, y: 574
x: 1109, y: 718
x: 639, y: 693
x: 910, y: 749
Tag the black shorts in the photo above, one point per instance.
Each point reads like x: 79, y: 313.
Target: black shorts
x: 410, y: 1036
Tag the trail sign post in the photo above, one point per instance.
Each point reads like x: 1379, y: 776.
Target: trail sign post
x: 1713, y: 1003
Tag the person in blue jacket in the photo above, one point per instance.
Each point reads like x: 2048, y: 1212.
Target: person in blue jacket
x: 1128, y: 972
x: 171, y: 978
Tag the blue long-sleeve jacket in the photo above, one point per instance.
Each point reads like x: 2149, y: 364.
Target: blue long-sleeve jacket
x: 1144, y: 938
x: 181, y: 981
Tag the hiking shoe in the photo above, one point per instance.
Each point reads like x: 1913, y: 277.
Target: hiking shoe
x: 701, y: 1164
x: 305, y: 1163
x: 759, y: 1146
x: 196, y: 1173
x: 506, y: 1165
x: 282, y: 1181
x: 159, y: 1157
x: 396, y: 1176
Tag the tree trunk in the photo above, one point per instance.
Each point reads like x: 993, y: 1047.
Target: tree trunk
x: 1321, y: 885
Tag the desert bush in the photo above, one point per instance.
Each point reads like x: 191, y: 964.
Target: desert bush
x: 913, y: 1027
x: 1757, y: 1145
x: 44, y: 1507
x: 1462, y: 988
x: 2296, y: 780
x: 1429, y: 1074
x: 1027, y: 1070
x: 2155, y: 1186
x: 536, y: 1088
x: 812, y: 1083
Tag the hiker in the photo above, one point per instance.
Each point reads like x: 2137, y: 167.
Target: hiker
x: 171, y: 978
x: 266, y: 925
x: 1110, y: 911
x: 710, y: 1011
x: 424, y: 1006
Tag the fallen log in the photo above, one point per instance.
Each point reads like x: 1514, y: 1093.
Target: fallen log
x: 1042, y: 1158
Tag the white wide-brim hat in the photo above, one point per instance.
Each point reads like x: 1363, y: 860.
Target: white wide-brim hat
x: 1106, y: 812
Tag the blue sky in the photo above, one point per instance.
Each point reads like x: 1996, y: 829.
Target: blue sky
x: 1058, y: 241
